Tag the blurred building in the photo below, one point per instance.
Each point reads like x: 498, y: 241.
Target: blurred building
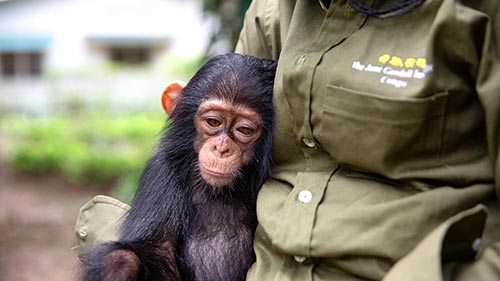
x: 54, y: 51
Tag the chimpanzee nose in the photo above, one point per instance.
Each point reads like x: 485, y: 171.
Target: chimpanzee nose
x: 222, y: 146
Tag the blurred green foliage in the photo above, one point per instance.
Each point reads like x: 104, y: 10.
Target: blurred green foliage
x: 98, y: 148
x: 229, y: 15
x: 86, y: 136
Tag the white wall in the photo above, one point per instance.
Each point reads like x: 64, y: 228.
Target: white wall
x: 71, y: 22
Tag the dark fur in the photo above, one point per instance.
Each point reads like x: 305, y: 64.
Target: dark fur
x: 178, y: 224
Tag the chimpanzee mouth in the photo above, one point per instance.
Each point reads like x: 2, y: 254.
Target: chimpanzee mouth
x: 215, y: 173
x: 216, y: 178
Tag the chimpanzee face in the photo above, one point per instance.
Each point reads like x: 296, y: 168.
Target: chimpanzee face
x: 226, y: 134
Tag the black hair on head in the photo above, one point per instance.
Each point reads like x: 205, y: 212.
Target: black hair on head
x: 240, y: 79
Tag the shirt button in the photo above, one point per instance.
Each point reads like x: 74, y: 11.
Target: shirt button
x: 308, y: 142
x: 299, y: 259
x: 305, y: 196
x: 82, y: 234
x: 301, y: 60
x: 476, y: 244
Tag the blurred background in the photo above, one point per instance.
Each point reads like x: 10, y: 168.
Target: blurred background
x: 80, y: 111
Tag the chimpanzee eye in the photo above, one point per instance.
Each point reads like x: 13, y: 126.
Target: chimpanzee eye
x: 245, y: 130
x: 213, y: 122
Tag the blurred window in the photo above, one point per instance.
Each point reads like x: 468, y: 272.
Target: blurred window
x: 21, y: 64
x: 130, y: 55
x: 8, y: 64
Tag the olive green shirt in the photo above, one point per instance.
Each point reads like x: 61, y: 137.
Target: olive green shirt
x: 386, y: 151
x: 387, y: 141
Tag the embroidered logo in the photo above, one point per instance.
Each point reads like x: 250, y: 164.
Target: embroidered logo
x: 396, y: 71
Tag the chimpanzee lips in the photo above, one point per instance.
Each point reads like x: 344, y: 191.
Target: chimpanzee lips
x: 216, y: 174
x: 216, y: 178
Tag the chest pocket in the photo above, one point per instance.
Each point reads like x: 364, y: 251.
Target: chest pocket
x: 385, y: 135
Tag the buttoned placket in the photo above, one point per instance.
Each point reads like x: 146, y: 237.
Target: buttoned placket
x: 310, y: 183
x: 302, y: 203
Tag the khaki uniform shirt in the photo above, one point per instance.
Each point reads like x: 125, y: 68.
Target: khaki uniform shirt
x: 386, y: 151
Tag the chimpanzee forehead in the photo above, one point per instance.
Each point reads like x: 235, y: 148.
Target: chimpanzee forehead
x: 228, y: 106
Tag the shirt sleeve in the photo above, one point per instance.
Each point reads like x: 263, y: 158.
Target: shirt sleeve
x: 488, y: 83
x: 260, y: 35
x: 427, y: 261
x: 99, y: 221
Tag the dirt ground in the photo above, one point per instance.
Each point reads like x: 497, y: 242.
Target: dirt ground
x: 37, y: 215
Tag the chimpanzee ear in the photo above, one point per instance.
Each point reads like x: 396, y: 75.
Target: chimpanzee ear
x: 170, y: 96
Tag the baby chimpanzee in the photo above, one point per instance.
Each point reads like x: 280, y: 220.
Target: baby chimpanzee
x: 193, y: 217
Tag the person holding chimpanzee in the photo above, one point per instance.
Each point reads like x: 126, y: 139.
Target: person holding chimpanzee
x: 385, y: 160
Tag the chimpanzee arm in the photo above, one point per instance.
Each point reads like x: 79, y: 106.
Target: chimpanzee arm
x: 117, y: 261
x: 145, y: 250
x: 159, y: 207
